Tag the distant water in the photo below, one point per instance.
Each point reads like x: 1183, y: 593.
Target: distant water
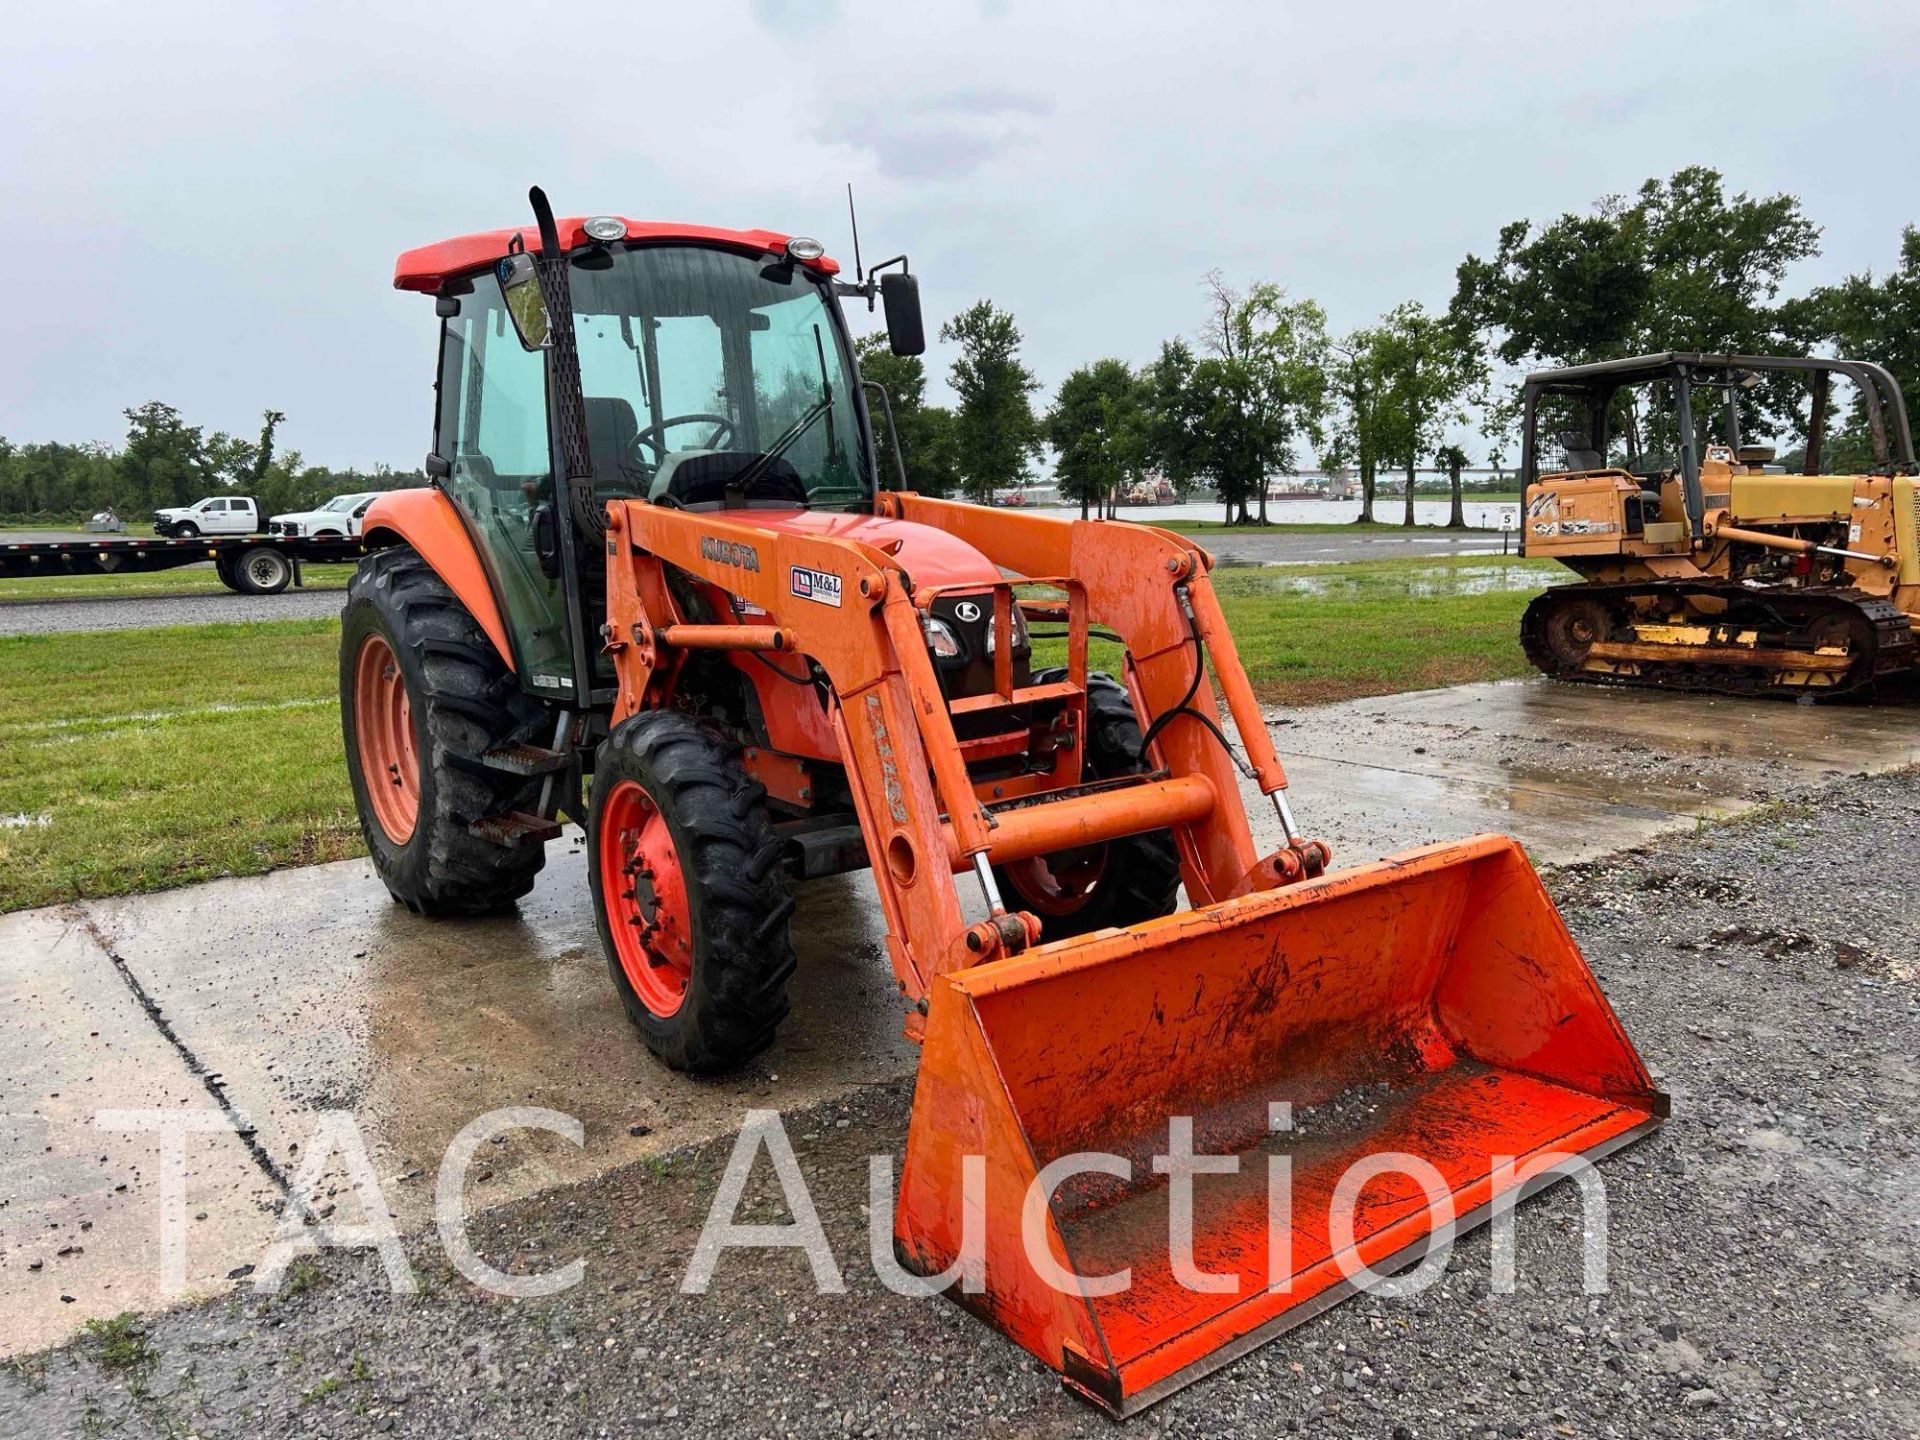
x: 1479, y: 513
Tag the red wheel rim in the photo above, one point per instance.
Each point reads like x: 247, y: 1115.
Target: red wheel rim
x: 646, y: 899
x: 383, y: 726
x: 1060, y: 884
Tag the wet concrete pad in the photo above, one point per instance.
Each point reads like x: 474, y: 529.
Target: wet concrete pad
x: 1571, y: 771
x: 310, y: 990
x: 77, y: 1041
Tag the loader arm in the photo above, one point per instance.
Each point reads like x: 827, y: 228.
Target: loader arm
x: 920, y: 812
x: 1139, y: 581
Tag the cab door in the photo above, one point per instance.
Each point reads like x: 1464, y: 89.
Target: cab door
x: 492, y: 432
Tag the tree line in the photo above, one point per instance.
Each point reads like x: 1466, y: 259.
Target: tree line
x: 167, y: 462
x: 1260, y: 386
x: 1681, y: 264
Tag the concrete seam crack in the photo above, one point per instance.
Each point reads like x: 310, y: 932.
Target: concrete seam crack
x: 209, y: 1080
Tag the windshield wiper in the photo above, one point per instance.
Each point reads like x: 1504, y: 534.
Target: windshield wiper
x: 763, y: 462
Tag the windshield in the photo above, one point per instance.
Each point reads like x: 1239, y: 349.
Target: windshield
x: 714, y: 378
x: 343, y: 502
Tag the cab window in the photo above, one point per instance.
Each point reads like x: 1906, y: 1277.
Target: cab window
x: 492, y: 432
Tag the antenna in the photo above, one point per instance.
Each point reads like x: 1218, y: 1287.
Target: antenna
x: 854, y: 221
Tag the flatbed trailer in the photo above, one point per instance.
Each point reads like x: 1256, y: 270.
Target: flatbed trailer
x: 248, y: 564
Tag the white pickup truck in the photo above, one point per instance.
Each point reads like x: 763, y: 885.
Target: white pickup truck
x: 341, y: 516
x: 216, y: 515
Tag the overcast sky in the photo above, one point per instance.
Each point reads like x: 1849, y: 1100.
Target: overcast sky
x: 205, y: 201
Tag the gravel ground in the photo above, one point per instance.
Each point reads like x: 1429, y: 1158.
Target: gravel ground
x: 1764, y: 1271
x: 143, y: 612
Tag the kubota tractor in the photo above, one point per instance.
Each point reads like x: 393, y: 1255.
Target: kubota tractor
x: 1706, y: 566
x: 658, y: 587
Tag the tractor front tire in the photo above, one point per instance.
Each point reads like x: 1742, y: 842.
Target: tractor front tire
x: 1122, y: 882
x: 423, y: 695
x: 689, y: 892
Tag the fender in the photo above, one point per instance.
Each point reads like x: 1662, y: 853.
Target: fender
x: 426, y: 520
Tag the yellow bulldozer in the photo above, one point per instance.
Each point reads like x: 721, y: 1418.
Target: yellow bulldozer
x: 1705, y: 566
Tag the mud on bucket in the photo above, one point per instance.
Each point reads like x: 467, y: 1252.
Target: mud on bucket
x: 1430, y: 1010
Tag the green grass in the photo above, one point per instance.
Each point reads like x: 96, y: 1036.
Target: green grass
x: 1309, y: 634
x: 120, y: 1344
x: 139, y: 761
x: 188, y: 580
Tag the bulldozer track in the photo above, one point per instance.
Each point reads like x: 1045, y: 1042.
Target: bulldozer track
x: 1892, y: 651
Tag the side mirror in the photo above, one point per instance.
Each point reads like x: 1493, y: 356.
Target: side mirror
x: 519, y: 277
x: 906, y: 333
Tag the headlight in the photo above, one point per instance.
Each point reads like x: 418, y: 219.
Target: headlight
x: 942, y: 641
x: 1019, y: 631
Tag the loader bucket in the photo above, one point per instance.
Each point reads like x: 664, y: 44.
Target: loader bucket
x: 1432, y: 1003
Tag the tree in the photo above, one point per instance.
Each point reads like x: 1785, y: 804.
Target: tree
x: 1097, y: 428
x: 1680, y: 265
x: 1454, y: 460
x: 1172, y: 444
x: 926, y: 431
x: 995, y: 431
x: 165, y: 457
x: 1359, y: 436
x: 1426, y: 364
x: 168, y: 462
x: 1271, y: 357
x: 270, y: 422
x: 1866, y: 319
x: 1227, y: 441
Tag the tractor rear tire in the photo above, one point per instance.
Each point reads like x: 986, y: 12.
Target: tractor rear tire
x: 689, y: 891
x: 1122, y: 882
x: 423, y: 695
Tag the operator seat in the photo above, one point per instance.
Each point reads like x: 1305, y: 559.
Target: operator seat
x: 611, y: 432
x: 1579, y: 456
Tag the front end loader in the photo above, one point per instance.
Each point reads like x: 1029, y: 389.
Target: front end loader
x: 658, y: 586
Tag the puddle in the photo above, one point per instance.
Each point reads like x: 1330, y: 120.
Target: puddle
x: 1427, y: 582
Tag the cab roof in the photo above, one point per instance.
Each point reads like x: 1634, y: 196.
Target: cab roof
x: 431, y: 266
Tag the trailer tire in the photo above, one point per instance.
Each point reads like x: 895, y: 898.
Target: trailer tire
x: 446, y: 699
x: 1122, y: 882
x: 689, y: 891
x: 261, y: 570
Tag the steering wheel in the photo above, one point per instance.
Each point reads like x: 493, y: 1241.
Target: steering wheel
x: 654, y: 437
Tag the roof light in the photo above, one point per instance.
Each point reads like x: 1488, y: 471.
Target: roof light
x: 606, y: 227
x: 801, y: 247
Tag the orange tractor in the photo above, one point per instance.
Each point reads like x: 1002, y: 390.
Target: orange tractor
x: 659, y: 587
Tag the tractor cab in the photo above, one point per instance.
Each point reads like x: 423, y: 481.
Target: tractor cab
x: 702, y: 369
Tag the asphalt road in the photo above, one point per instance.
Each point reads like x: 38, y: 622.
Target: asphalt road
x: 1763, y: 1278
